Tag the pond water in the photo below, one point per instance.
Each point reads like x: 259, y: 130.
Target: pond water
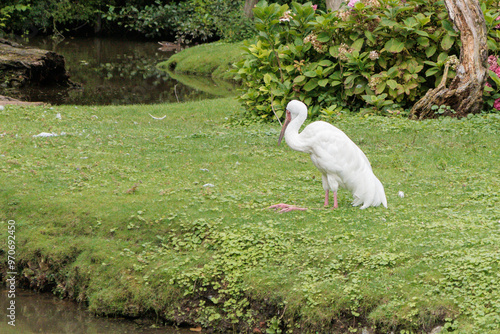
x: 44, y: 313
x: 118, y: 72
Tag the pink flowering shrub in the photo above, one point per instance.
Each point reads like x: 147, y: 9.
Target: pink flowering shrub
x: 370, y: 56
x: 494, y: 72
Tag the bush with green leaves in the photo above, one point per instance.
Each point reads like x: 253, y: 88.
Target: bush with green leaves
x: 187, y: 21
x: 51, y: 16
x: 7, y: 12
x: 379, y: 56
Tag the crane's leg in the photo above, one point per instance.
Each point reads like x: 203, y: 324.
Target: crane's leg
x: 327, y: 193
x: 335, y: 204
x: 282, y: 207
x: 329, y: 182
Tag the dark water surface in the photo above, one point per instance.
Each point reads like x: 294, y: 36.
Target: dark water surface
x: 112, y: 71
x: 44, y: 313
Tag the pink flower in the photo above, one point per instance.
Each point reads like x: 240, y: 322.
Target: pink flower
x: 496, y: 104
x: 492, y: 60
x: 352, y: 3
x: 498, y: 25
x: 315, y: 7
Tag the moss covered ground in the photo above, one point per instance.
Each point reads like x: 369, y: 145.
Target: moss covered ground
x: 167, y: 219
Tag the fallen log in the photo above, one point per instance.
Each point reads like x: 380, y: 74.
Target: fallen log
x: 21, y: 66
x: 9, y: 100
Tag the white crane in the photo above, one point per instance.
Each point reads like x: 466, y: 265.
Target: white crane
x: 340, y: 161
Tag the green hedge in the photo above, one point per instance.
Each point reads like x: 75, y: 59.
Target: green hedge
x: 186, y: 21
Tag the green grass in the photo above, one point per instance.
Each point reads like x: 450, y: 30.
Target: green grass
x: 212, y: 59
x: 120, y: 213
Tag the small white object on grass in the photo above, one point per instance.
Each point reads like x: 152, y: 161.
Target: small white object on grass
x: 209, y: 185
x: 159, y: 118
x: 46, y: 134
x: 2, y: 108
x: 58, y: 115
x: 401, y: 194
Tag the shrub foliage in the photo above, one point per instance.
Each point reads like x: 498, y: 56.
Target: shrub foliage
x: 378, y: 56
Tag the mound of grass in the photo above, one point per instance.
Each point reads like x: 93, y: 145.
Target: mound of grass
x: 212, y: 59
x: 167, y: 218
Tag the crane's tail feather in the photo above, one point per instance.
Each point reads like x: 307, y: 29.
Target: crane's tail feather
x: 369, y: 192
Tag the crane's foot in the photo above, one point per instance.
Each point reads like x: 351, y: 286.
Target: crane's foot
x: 282, y: 207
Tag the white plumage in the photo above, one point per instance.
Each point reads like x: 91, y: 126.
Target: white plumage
x: 340, y: 161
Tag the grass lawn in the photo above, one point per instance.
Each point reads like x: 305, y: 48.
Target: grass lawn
x: 167, y: 219
x: 211, y: 59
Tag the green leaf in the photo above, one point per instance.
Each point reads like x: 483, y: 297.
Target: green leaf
x: 358, y: 44
x: 388, y: 23
x: 430, y: 51
x: 494, y: 77
x: 324, y: 37
x: 410, y: 22
x: 299, y: 79
x: 351, y: 78
x: 394, y: 45
x: 267, y: 78
x: 447, y: 42
x: 335, y: 83
x: 431, y: 71
x: 359, y: 5
x: 423, y: 41
x: 380, y: 88
x: 392, y: 83
x: 359, y: 88
x: 423, y: 20
x: 442, y: 57
x: 421, y: 33
x: 392, y: 72
x: 310, y: 74
x: 310, y: 85
x: 325, y: 62
x: 334, y: 51
x: 447, y: 25
x: 323, y: 82
x: 382, y: 61
x: 369, y: 36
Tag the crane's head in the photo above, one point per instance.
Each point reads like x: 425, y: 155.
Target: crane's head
x: 293, y: 109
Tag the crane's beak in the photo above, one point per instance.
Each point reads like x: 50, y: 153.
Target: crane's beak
x: 287, y: 120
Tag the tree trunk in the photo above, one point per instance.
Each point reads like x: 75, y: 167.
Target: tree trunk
x: 465, y: 94
x: 20, y: 66
x: 249, y: 5
x: 333, y: 4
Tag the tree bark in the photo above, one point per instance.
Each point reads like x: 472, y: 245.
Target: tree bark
x: 333, y: 4
x: 465, y: 93
x: 249, y: 4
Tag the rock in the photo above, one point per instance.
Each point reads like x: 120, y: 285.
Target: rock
x: 437, y: 330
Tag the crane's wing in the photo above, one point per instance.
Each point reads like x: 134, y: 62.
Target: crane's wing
x: 332, y: 150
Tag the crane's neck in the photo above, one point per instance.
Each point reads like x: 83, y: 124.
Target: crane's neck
x: 292, y: 136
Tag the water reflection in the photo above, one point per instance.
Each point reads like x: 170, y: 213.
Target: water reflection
x: 44, y: 313
x: 113, y: 71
